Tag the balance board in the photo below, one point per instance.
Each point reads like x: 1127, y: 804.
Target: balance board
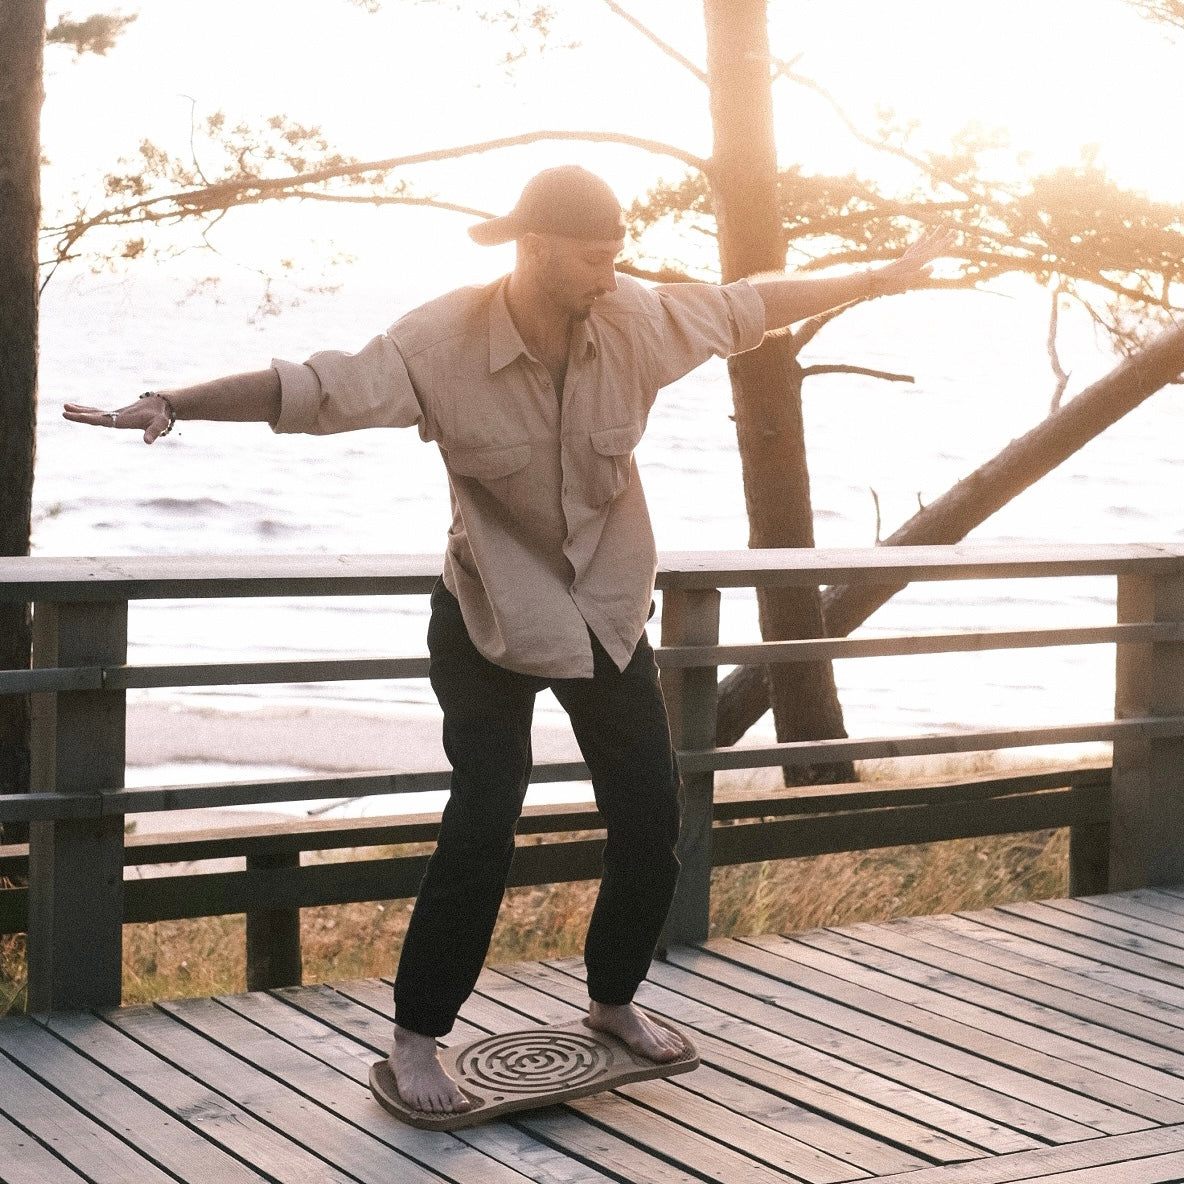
x: 527, y: 1069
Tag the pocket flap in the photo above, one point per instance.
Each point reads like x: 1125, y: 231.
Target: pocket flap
x: 487, y: 464
x: 617, y: 441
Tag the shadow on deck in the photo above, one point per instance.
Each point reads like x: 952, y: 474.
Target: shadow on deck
x: 1036, y: 1042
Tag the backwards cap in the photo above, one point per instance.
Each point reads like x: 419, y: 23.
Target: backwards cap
x: 567, y: 200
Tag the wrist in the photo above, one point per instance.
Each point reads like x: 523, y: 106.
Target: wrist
x: 881, y: 282
x: 169, y: 410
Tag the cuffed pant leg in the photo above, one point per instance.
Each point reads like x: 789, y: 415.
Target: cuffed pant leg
x: 620, y: 722
x: 487, y: 717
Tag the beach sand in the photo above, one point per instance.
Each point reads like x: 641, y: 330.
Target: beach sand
x: 312, y: 739
x: 183, y: 743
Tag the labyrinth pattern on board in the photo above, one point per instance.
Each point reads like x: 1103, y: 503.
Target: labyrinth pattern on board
x: 534, y: 1062
x: 522, y: 1070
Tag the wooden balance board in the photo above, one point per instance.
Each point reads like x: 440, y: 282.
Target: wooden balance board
x: 525, y: 1070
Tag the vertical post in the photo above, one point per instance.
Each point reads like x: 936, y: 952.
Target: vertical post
x: 76, y: 864
x: 22, y: 41
x: 1089, y: 858
x: 273, y: 935
x: 692, y: 618
x: 1147, y: 822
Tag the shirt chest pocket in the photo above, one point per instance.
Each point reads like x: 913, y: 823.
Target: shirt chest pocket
x: 494, y: 468
x: 606, y: 465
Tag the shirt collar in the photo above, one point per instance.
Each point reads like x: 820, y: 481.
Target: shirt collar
x: 506, y: 344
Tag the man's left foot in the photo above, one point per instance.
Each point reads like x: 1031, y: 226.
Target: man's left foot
x: 644, y: 1036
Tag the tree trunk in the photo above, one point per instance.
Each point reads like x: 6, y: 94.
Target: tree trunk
x: 744, y: 698
x: 767, y: 382
x: 22, y: 38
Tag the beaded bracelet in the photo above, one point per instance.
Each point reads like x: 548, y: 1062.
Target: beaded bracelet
x: 168, y: 406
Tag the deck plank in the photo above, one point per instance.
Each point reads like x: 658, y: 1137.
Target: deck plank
x: 703, y: 1109
x: 87, y: 1082
x: 829, y: 1086
x: 185, y: 1098
x: 699, y: 1135
x: 341, y: 1091
x: 1135, y: 918
x: 557, y: 1129
x: 97, y: 1154
x: 1128, y: 1079
x: 993, y: 1090
x: 466, y: 1153
x: 26, y: 1161
x: 747, y: 1096
x: 1119, y: 946
x: 346, y: 1152
x: 1068, y: 953
x: 1052, y: 1163
x: 1010, y: 972
x: 1036, y: 1042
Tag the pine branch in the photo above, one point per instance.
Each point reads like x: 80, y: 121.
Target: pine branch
x: 650, y: 35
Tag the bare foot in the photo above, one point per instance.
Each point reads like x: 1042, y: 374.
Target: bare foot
x: 423, y: 1084
x: 640, y: 1033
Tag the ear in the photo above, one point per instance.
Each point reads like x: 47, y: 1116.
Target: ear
x: 532, y: 247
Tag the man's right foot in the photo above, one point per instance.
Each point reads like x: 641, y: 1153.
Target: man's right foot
x: 423, y: 1083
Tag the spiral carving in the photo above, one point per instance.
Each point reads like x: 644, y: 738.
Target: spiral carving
x: 530, y: 1062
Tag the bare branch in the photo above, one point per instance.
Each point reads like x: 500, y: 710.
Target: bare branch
x: 812, y: 326
x: 246, y: 189
x: 1053, y: 356
x: 193, y: 139
x: 651, y: 36
x: 886, y: 375
x: 785, y: 70
x: 383, y: 199
x: 657, y: 275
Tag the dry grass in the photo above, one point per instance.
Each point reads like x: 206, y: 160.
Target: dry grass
x: 173, y: 959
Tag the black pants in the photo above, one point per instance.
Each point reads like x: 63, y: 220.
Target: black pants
x: 620, y: 723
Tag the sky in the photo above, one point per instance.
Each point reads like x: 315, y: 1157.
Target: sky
x: 421, y: 74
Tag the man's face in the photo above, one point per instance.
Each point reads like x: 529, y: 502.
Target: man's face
x: 573, y: 272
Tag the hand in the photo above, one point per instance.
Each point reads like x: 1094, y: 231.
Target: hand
x: 913, y: 267
x: 151, y: 414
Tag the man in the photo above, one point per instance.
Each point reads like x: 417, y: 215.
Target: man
x: 536, y: 389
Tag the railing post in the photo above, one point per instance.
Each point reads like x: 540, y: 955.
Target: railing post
x: 273, y: 935
x: 75, y: 940
x: 1147, y: 811
x: 692, y: 618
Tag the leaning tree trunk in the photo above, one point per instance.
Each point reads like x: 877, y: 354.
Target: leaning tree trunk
x: 744, y: 697
x: 767, y: 382
x: 22, y: 38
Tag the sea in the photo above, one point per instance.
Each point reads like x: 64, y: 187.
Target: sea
x: 979, y: 376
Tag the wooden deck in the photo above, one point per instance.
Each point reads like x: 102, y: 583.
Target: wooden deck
x: 1036, y: 1042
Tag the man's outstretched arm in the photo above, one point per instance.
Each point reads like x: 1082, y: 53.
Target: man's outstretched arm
x: 251, y: 397
x: 795, y: 298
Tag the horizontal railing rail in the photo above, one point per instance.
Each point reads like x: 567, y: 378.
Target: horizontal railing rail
x: 213, y: 674
x: 1124, y: 819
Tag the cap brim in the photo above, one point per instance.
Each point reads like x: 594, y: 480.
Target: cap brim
x: 493, y: 231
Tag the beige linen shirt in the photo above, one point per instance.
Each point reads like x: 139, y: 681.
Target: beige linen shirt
x: 550, y: 532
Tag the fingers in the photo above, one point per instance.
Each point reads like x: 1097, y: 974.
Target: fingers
x: 934, y: 242
x: 136, y: 416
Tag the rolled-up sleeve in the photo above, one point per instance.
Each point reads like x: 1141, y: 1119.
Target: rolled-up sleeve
x: 335, y: 391
x: 705, y: 319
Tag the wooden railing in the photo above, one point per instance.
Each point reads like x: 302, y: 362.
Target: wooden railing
x: 1126, y: 825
